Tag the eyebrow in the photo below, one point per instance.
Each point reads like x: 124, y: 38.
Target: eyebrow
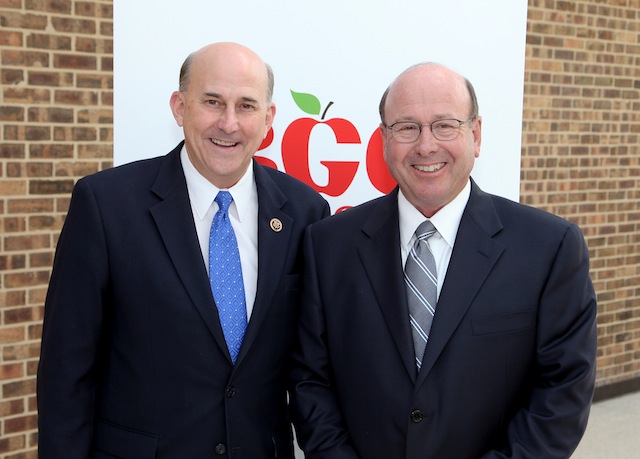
x: 414, y: 119
x: 244, y: 99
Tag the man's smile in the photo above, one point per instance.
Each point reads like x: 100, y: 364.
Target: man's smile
x: 430, y: 168
x: 223, y: 143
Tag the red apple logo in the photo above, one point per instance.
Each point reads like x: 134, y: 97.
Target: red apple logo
x: 265, y: 143
x: 377, y: 170
x: 295, y: 146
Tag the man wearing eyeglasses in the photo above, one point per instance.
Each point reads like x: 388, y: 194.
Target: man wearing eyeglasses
x: 440, y: 321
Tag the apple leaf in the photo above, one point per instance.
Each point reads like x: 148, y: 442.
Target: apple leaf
x: 308, y: 103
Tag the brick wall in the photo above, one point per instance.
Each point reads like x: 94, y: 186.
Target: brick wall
x: 580, y: 160
x: 581, y: 152
x: 56, y: 126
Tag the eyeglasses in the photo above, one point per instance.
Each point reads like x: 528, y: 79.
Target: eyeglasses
x: 408, y: 131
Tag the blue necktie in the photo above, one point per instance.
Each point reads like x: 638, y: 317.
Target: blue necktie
x: 225, y: 276
x: 421, y: 280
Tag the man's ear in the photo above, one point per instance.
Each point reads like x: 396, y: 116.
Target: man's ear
x: 177, y: 106
x: 271, y: 114
x: 476, y: 129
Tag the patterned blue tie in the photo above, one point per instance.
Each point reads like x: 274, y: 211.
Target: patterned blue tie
x: 421, y: 279
x: 225, y: 276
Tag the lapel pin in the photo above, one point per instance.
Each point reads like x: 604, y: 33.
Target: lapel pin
x: 276, y: 225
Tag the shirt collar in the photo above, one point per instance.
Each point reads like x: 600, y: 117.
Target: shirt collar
x: 203, y: 193
x: 446, y: 220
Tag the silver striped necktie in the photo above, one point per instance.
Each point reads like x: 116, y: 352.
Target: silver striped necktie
x: 421, y: 279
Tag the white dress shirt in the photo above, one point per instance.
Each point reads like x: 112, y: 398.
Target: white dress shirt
x: 446, y: 221
x: 243, y: 214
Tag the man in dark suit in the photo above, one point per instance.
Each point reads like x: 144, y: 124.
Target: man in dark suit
x: 507, y: 365
x: 134, y: 361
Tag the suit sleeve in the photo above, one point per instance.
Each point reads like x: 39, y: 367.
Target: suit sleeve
x: 72, y: 330
x: 316, y: 414
x: 552, y: 421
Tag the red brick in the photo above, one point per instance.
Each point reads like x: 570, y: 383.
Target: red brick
x: 26, y: 314
x: 11, y: 408
x: 50, y: 6
x: 76, y: 169
x: 21, y: 424
x: 11, y: 76
x: 43, y: 259
x: 51, y: 115
x: 24, y: 280
x: 12, y: 443
x: 50, y: 79
x: 11, y: 113
x: 12, y: 299
x: 50, y: 186
x: 19, y: 388
x: 38, y: 169
x: 19, y: 20
x: 13, y: 225
x: 31, y: 205
x: 37, y: 133
x: 11, y: 370
x: 10, y: 38
x: 11, y: 151
x: 27, y: 95
x: 12, y: 187
x: 83, y: 98
x: 51, y: 151
x: 73, y: 25
x: 74, y: 61
x: 48, y: 41
x: 28, y: 242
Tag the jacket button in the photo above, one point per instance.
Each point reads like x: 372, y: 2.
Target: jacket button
x: 221, y: 449
x: 231, y: 391
x: 416, y: 416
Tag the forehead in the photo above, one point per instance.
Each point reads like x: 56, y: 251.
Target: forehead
x: 428, y: 91
x: 235, y: 77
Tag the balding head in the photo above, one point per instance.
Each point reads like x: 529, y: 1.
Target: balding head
x: 217, y: 52
x: 432, y: 68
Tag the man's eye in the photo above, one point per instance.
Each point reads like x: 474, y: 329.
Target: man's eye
x: 406, y: 127
x: 443, y: 125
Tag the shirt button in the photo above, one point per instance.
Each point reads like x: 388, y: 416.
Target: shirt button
x: 221, y: 449
x: 416, y: 416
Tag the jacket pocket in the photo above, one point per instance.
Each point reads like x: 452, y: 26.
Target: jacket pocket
x: 124, y: 443
x: 504, y: 323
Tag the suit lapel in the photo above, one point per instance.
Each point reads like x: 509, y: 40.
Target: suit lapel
x: 174, y: 219
x: 474, y: 255
x: 274, y: 235
x: 381, y: 259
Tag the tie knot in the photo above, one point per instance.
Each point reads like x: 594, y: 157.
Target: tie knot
x: 425, y: 230
x: 224, y: 199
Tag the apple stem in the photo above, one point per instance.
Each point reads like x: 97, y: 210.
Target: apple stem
x: 325, y: 110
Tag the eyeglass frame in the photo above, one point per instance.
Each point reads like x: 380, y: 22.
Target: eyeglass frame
x: 421, y: 125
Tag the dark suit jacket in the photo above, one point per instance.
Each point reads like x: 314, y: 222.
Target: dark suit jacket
x: 510, y: 365
x: 134, y: 362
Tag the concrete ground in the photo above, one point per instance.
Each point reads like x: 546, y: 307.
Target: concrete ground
x: 613, y: 431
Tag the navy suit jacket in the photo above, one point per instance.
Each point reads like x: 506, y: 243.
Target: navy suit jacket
x: 134, y: 363
x: 509, y: 369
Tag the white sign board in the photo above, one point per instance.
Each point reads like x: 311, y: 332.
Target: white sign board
x: 332, y: 61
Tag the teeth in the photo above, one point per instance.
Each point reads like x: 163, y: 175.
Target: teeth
x: 431, y: 168
x: 222, y: 143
